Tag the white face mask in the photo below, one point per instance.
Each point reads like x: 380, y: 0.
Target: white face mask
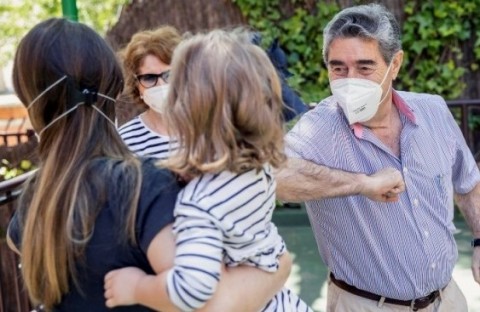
x: 358, y: 98
x: 156, y: 97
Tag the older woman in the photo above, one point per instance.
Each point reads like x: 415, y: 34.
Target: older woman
x: 146, y: 63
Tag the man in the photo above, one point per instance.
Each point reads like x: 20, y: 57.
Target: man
x: 396, y: 253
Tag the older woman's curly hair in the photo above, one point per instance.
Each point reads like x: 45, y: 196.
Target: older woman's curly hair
x: 160, y: 42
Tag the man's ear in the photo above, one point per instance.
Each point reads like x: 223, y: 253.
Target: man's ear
x: 397, y: 64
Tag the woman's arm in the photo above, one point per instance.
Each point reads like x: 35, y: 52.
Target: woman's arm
x: 240, y: 289
x: 245, y: 288
x: 128, y: 286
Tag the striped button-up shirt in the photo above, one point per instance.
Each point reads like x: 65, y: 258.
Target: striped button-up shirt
x: 402, y: 250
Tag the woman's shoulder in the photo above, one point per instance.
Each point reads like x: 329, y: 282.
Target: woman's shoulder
x: 121, y: 174
x: 157, y: 182
x: 154, y: 173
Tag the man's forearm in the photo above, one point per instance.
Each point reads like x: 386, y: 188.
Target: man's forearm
x: 469, y: 205
x: 301, y: 180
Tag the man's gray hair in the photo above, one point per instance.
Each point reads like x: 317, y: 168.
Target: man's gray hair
x: 372, y: 21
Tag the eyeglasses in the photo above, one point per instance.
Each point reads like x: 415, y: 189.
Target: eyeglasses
x: 150, y: 80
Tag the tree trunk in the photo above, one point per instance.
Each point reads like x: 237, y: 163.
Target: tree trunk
x: 185, y: 15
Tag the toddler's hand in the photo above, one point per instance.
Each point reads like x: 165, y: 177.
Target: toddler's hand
x: 120, y: 286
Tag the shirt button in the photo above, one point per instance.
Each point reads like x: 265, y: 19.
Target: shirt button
x: 434, y: 265
x: 405, y: 169
x: 415, y: 202
x: 426, y: 233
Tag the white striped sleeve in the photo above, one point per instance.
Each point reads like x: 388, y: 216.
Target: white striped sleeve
x: 198, y: 260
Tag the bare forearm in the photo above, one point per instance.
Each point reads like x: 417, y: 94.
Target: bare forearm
x: 469, y: 205
x: 301, y: 180
x: 245, y: 289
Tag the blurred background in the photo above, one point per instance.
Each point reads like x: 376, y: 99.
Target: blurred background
x: 441, y: 41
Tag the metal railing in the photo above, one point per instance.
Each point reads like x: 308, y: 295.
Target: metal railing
x: 13, y: 297
x: 465, y: 107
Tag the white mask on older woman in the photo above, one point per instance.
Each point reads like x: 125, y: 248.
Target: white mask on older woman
x: 156, y: 97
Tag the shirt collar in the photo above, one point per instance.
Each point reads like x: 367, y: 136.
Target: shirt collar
x: 402, y: 107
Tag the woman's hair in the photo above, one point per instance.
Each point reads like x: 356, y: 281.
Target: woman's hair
x: 159, y: 42
x: 224, y: 105
x: 367, y: 22
x: 60, y: 204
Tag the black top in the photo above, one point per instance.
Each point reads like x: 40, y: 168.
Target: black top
x: 109, y: 248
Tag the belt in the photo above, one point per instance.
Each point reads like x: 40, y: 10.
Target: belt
x: 419, y: 303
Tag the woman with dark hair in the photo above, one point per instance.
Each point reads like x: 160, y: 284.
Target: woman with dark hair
x: 93, y: 206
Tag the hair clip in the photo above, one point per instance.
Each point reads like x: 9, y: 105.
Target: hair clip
x: 90, y: 97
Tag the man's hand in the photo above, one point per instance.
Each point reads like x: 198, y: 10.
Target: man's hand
x: 383, y: 186
x: 476, y: 264
x: 120, y: 286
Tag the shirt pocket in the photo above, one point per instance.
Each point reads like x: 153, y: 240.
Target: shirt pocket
x: 444, y: 194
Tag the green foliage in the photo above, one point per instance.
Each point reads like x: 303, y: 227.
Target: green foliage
x: 433, y: 34
x: 300, y: 35
x: 17, y: 17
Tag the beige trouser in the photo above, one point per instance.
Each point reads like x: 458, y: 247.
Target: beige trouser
x: 339, y: 300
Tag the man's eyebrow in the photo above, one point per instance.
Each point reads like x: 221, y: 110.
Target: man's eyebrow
x: 359, y: 62
x: 366, y: 62
x: 335, y: 63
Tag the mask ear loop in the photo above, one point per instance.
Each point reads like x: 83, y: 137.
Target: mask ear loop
x: 59, y: 117
x: 46, y: 90
x: 383, y: 80
x: 90, y: 97
x: 102, y: 113
x: 385, y: 76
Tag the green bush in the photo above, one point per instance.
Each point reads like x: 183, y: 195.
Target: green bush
x: 300, y: 35
x: 434, y: 33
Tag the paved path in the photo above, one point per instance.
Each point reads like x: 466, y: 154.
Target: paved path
x: 308, y: 276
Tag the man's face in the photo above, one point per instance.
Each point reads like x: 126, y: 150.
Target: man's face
x: 356, y: 58
x: 361, y: 59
